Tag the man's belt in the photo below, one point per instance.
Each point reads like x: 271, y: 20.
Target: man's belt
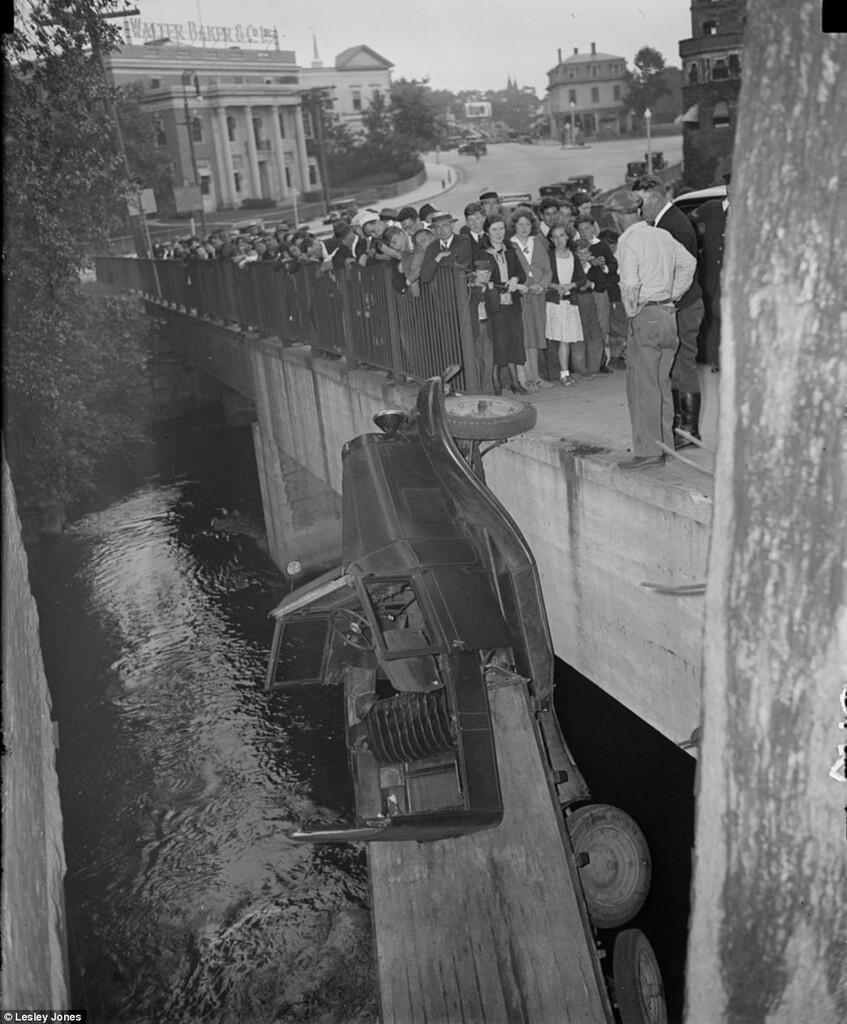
x: 659, y: 302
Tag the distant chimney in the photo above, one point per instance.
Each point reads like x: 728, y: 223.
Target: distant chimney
x: 593, y: 48
x: 560, y: 55
x: 575, y: 50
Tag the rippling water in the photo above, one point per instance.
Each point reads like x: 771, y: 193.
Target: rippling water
x: 180, y: 778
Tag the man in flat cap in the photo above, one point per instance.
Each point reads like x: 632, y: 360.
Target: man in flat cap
x: 655, y: 271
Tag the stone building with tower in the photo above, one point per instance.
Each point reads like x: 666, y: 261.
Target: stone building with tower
x: 711, y: 69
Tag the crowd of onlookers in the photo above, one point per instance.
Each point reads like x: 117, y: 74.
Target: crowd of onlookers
x: 541, y: 282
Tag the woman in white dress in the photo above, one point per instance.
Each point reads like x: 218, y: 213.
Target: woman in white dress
x: 564, y: 324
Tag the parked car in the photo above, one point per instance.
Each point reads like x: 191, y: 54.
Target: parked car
x: 636, y: 169
x: 473, y: 147
x: 690, y: 201
x: 568, y: 188
x: 341, y: 209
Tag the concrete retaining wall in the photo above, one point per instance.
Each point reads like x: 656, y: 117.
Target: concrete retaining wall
x: 597, y: 533
x: 34, y: 972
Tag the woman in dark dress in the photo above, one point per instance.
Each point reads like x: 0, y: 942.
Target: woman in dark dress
x: 503, y: 303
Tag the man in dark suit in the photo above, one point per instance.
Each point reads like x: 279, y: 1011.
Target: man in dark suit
x: 448, y: 249
x: 685, y: 380
x: 474, y: 228
x: 710, y: 224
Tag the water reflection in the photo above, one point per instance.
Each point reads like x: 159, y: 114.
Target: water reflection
x: 179, y: 777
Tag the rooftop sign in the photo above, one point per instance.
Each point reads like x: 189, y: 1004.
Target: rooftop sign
x: 138, y: 31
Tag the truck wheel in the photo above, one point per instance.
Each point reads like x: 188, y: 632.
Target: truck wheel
x: 487, y: 417
x: 637, y: 979
x: 614, y: 863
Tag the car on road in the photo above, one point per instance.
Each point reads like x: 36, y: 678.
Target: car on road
x: 473, y: 147
x: 568, y: 188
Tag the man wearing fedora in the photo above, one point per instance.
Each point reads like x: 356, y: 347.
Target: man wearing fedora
x: 448, y: 249
x: 655, y: 271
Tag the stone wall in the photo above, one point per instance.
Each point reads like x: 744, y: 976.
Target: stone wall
x: 34, y: 971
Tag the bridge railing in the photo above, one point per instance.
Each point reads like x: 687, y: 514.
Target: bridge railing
x: 355, y: 312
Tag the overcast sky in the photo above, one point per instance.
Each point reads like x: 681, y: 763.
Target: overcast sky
x: 457, y: 44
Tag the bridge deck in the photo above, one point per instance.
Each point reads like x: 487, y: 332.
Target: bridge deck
x: 489, y: 927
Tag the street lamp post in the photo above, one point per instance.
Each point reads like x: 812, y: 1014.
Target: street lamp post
x: 189, y: 76
x: 648, y: 116
x: 573, y: 123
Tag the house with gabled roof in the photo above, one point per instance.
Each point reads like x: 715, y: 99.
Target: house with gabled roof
x: 358, y: 76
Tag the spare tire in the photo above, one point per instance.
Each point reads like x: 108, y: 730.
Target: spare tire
x: 615, y: 863
x: 487, y: 417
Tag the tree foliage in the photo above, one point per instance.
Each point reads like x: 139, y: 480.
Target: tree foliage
x: 64, y: 189
x: 647, y: 82
x: 379, y: 154
x: 414, y: 112
x: 150, y: 165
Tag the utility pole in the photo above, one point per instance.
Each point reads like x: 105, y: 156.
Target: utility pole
x: 191, y: 76
x: 315, y: 101
x: 137, y: 222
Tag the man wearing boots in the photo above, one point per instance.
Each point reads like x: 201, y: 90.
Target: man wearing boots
x: 655, y: 271
x: 685, y: 380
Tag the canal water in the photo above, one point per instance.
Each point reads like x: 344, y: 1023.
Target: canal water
x: 179, y: 778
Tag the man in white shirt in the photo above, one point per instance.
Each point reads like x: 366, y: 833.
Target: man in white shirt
x: 655, y: 271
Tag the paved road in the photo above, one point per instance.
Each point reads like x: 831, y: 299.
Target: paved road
x: 512, y: 167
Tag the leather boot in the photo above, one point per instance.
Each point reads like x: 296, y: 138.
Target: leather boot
x: 689, y: 406
x: 677, y: 418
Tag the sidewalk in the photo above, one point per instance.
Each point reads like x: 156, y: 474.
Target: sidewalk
x: 440, y: 179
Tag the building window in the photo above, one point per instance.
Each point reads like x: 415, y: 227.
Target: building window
x: 155, y: 83
x: 719, y: 70
x: 571, y: 95
x: 357, y: 99
x: 288, y: 176
x: 595, y: 94
x: 375, y: 95
x: 281, y: 119
x: 594, y: 70
x: 196, y: 129
x: 307, y: 123
x: 161, y: 134
x: 571, y: 73
x: 693, y: 74
x: 720, y: 115
x: 257, y: 131
x: 236, y: 177
x: 616, y: 92
x: 734, y: 65
x: 205, y: 185
x: 710, y: 28
x: 230, y: 128
x: 313, y: 174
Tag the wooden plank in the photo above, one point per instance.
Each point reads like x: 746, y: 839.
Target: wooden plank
x: 487, y: 928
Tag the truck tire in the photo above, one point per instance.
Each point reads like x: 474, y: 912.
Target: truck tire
x: 487, y: 417
x: 638, y: 986
x: 614, y: 861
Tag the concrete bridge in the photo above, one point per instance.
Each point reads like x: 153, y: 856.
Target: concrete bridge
x: 598, y: 533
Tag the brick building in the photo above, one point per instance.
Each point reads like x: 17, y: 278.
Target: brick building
x: 711, y: 68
